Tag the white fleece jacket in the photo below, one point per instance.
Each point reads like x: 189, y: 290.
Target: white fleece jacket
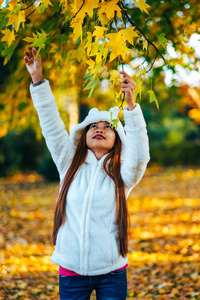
x: 88, y: 241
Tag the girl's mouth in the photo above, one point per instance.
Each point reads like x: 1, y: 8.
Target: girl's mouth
x: 99, y: 137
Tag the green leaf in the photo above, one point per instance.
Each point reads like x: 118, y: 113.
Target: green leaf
x: 162, y: 40
x: 91, y: 92
x: 113, y: 122
x: 138, y: 89
x: 39, y: 43
x: 42, y: 8
x: 3, y: 20
x: 91, y: 84
x: 8, y: 52
x: 153, y: 98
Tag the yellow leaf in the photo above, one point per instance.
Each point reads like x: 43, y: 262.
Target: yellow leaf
x: 88, y: 44
x: 142, y: 5
x: 90, y: 63
x: 99, y: 32
x: 139, y: 73
x: 116, y: 45
x: 138, y: 89
x: 8, y: 37
x: 128, y: 34
x: 16, y: 20
x: 109, y: 9
x: 1, y: 2
x: 103, y: 19
x: 12, y: 5
x: 145, y: 44
x: 114, y: 37
x: 114, y: 76
x: 31, y: 39
x: 89, y: 7
x: 46, y: 2
x: 77, y: 31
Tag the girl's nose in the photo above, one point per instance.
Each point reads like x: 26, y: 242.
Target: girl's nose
x: 99, y: 130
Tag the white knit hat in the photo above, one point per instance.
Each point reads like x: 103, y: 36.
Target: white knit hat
x: 94, y: 116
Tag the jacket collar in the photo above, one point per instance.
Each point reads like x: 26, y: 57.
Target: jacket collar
x: 91, y: 158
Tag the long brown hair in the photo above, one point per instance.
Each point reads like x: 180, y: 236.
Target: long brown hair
x: 111, y: 165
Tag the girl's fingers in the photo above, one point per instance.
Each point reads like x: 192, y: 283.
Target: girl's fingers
x: 124, y: 73
x: 34, y: 52
x: 28, y: 60
x: 126, y: 80
x: 126, y: 85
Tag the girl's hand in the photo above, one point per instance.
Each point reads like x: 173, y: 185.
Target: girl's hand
x: 33, y: 66
x: 128, y: 87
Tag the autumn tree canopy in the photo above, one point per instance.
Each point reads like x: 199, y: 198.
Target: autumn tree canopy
x: 91, y: 39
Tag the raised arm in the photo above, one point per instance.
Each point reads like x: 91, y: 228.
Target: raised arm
x: 137, y: 156
x: 53, y: 128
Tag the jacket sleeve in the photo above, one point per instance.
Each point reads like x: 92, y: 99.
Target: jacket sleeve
x: 53, y: 128
x: 137, y: 147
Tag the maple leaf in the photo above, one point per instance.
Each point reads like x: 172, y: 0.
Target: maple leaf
x: 116, y: 45
x: 90, y: 63
x: 142, y: 5
x: 88, y: 44
x: 109, y: 8
x: 103, y: 19
x: 153, y: 98
x: 77, y: 30
x: 162, y: 40
x: 8, y: 37
x: 16, y: 20
x: 39, y: 43
x: 8, y: 52
x: 11, y: 5
x: 77, y: 25
x: 138, y: 89
x: 89, y: 6
x: 128, y: 34
x: 99, y: 32
x: 31, y: 39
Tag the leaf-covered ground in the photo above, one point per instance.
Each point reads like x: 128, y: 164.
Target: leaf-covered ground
x: 164, y: 247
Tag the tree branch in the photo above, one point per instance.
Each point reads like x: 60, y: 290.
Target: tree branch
x: 29, y: 5
x: 77, y: 11
x: 63, y: 30
x: 144, y: 59
x: 121, y: 6
x: 152, y: 63
x: 31, y: 12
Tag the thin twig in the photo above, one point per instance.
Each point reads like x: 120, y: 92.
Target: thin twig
x: 121, y: 5
x: 144, y: 60
x: 152, y: 63
x: 77, y: 11
x: 68, y: 22
x: 30, y: 14
x: 28, y: 6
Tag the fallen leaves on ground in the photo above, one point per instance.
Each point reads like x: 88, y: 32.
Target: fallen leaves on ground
x: 164, y: 260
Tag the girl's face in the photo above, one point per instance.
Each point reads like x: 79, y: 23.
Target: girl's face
x: 100, y: 138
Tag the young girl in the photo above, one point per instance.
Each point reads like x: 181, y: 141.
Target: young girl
x: 98, y: 167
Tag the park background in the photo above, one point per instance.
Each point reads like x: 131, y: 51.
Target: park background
x: 164, y: 207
